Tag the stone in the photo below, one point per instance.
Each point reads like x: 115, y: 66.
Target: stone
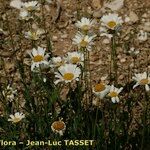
x: 146, y: 26
x: 97, y: 14
x: 121, y: 77
x: 97, y: 4
x: 64, y: 36
x: 106, y: 41
x: 133, y: 17
x: 54, y: 38
x: 115, y: 5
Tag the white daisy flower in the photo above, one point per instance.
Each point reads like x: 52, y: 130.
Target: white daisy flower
x: 31, y: 6
x: 44, y: 80
x: 133, y: 51
x: 101, y: 90
x: 34, y: 35
x: 142, y: 79
x: 24, y: 15
x: 58, y: 127
x: 67, y: 73
x: 85, y: 24
x: 75, y: 57
x: 9, y: 93
x: 142, y: 36
x: 38, y: 58
x: 17, y: 117
x: 111, y: 21
x: 114, y: 92
x: 16, y: 4
x: 83, y: 41
x: 57, y: 62
x: 49, y: 1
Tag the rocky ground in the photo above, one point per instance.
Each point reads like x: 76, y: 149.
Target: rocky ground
x: 60, y: 23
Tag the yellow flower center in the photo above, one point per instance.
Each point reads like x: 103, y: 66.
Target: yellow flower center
x: 15, y: 120
x: 144, y: 81
x: 68, y: 76
x: 58, y: 125
x: 58, y: 64
x: 38, y: 58
x: 29, y: 8
x: 99, y: 87
x: 111, y: 24
x: 34, y: 35
x: 74, y: 60
x: 85, y: 28
x: 83, y: 43
x: 113, y: 94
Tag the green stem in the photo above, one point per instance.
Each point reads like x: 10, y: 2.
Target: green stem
x: 86, y: 76
x: 10, y: 33
x: 90, y: 79
x: 48, y: 42
x: 144, y: 120
x: 95, y: 123
x: 114, y: 59
x: 115, y: 128
x: 103, y: 122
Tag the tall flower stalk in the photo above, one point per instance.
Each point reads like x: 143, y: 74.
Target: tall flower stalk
x: 48, y: 42
x: 84, y: 42
x: 86, y: 76
x: 114, y: 58
x: 109, y: 27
